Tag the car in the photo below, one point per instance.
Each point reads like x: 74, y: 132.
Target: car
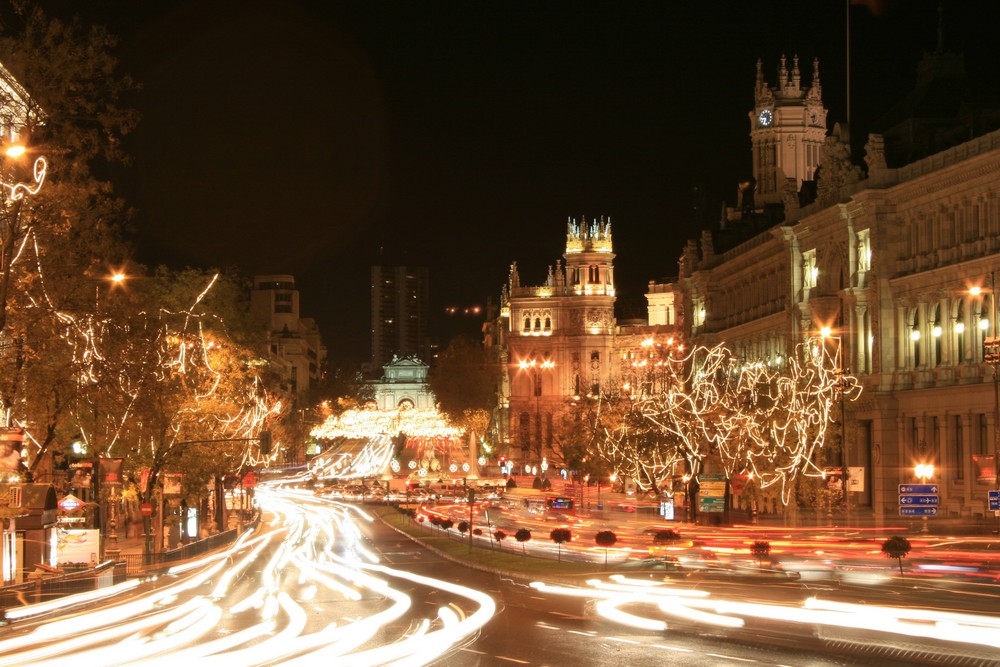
x: 651, y: 564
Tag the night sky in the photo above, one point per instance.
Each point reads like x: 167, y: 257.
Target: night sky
x: 315, y: 138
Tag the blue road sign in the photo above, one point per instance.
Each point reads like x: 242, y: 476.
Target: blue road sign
x: 905, y: 489
x: 918, y: 500
x: 994, y: 498
x: 918, y: 511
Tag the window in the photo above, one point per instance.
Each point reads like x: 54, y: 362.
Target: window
x: 527, y: 324
x: 594, y: 276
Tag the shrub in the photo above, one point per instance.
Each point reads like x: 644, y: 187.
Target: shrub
x: 896, y: 547
x: 760, y: 549
x: 522, y: 535
x: 560, y: 535
x: 606, y: 539
x: 666, y: 536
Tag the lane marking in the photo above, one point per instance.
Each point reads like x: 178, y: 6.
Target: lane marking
x: 623, y: 641
x: 730, y: 657
x: 589, y: 633
x: 520, y: 662
x: 472, y: 650
x: 672, y: 648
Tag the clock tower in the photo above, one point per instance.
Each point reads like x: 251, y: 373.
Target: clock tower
x: 787, y: 130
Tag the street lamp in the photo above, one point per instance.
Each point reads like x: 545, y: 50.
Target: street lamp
x: 844, y: 384
x: 924, y: 472
x: 991, y: 355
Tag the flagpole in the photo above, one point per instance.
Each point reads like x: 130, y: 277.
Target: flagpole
x: 847, y: 4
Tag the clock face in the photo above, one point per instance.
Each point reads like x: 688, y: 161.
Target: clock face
x: 765, y: 117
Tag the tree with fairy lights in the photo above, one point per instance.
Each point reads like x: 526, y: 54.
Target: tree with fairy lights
x: 64, y: 114
x: 686, y: 406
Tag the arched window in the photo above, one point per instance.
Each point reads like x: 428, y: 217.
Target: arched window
x: 548, y: 324
x: 538, y: 324
x: 527, y: 324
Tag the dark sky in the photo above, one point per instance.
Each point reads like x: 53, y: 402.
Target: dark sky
x: 313, y: 137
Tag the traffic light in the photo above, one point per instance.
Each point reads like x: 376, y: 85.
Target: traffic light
x: 265, y: 443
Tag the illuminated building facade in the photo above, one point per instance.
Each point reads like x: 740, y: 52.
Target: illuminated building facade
x: 559, y: 341
x: 400, y: 300
x: 889, y: 259
x: 295, y: 346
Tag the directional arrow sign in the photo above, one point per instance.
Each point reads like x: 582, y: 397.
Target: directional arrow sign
x: 918, y: 500
x: 917, y: 488
x: 918, y: 511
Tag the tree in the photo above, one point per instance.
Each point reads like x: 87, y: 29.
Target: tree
x: 465, y: 381
x: 760, y: 549
x: 500, y: 536
x: 559, y: 536
x: 462, y: 527
x: 65, y: 103
x: 72, y: 110
x: 522, y: 535
x: 446, y: 524
x: 606, y: 539
x: 896, y: 547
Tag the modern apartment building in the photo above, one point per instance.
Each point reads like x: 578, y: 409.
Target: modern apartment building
x: 400, y: 297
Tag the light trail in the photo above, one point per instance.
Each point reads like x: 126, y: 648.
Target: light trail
x: 699, y: 607
x: 243, y: 606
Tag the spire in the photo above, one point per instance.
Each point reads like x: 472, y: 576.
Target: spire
x: 815, y: 90
x: 760, y: 74
x: 783, y: 72
x: 796, y: 76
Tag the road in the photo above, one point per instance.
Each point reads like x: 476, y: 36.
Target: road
x: 323, y: 582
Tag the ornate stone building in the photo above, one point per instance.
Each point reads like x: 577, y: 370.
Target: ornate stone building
x: 900, y: 263
x: 560, y: 340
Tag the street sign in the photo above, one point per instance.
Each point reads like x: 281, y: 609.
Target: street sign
x: 69, y: 503
x: 918, y: 511
x: 917, y: 488
x: 918, y: 500
x: 711, y: 504
x: 146, y: 509
x: 994, y: 498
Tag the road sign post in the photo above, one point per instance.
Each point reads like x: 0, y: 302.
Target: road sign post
x: 919, y: 500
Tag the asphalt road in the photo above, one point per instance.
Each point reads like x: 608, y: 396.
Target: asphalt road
x: 534, y: 629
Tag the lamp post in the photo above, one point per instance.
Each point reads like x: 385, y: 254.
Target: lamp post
x: 991, y: 355
x: 12, y: 231
x: 924, y: 472
x: 842, y: 388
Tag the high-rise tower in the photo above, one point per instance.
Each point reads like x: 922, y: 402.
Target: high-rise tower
x: 400, y: 310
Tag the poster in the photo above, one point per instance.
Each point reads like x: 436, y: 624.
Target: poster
x: 77, y: 545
